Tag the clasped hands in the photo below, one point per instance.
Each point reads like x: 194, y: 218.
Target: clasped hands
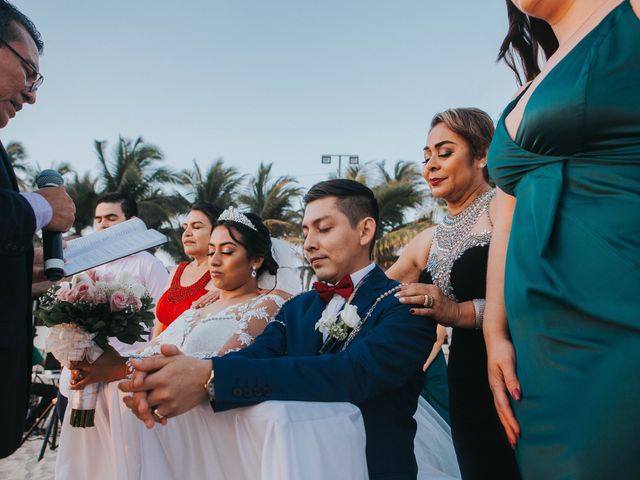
x: 167, y: 385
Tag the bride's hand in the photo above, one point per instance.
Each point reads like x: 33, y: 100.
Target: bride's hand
x: 206, y: 299
x: 108, y: 367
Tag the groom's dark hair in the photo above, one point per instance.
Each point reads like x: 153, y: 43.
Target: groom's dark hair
x: 355, y: 200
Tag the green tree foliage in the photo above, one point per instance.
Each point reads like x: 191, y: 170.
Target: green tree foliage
x: 273, y: 200
x: 136, y: 170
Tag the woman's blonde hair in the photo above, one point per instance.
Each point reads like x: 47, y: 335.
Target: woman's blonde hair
x: 472, y: 124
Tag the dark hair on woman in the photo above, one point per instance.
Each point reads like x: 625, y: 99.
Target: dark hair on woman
x: 520, y: 49
x: 256, y: 242
x: 208, y: 209
x: 10, y: 16
x: 472, y: 124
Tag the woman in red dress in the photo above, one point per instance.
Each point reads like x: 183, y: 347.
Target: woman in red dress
x: 189, y: 281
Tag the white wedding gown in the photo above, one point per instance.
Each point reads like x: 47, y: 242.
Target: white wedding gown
x: 271, y: 440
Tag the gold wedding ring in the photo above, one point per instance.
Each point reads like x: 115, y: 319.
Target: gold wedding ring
x: 428, y: 301
x: 157, y: 415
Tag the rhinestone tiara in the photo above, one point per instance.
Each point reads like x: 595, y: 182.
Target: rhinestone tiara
x: 234, y: 215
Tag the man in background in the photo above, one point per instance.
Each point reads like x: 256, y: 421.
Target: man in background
x: 21, y: 215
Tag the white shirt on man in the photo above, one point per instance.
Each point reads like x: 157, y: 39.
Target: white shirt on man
x: 337, y: 302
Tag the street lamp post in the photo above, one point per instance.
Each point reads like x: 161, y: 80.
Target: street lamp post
x: 327, y: 157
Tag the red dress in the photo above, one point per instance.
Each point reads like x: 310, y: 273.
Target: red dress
x: 176, y: 299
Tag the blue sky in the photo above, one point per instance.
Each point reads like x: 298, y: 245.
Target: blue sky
x: 278, y: 81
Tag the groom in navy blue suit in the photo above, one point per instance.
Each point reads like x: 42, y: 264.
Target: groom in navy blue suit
x: 378, y: 367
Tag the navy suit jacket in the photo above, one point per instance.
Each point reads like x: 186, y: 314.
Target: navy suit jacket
x: 17, y: 226
x: 380, y: 371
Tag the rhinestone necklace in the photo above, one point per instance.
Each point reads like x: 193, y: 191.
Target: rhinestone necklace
x: 453, y: 237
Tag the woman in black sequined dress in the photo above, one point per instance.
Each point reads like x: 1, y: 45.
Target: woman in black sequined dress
x: 445, y: 270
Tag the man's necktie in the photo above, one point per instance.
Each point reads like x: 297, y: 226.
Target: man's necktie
x: 344, y: 288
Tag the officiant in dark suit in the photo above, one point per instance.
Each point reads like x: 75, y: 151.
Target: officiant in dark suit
x: 377, y: 365
x: 22, y: 214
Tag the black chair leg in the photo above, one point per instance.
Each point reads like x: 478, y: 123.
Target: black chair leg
x: 43, y: 416
x: 53, y: 423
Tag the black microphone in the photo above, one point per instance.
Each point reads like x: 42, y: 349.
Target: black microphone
x: 51, y: 241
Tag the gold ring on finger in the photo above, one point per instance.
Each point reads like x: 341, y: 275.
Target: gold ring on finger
x: 428, y: 301
x: 157, y: 414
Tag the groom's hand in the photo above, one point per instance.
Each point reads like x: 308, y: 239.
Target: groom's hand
x: 174, y: 384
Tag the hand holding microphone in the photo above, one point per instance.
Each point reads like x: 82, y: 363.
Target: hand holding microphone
x: 50, y: 187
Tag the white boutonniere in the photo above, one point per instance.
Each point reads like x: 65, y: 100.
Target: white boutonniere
x: 337, y: 328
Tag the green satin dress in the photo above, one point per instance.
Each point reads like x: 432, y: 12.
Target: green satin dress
x: 572, y: 280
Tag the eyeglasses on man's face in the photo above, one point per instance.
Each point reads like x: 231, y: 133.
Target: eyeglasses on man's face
x: 34, y: 78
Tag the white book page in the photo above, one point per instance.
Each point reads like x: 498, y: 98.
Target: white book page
x: 115, y: 242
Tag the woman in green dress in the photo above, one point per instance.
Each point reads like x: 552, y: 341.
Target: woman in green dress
x: 566, y: 159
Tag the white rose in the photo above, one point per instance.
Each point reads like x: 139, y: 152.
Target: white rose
x: 124, y: 278
x: 325, y: 322
x: 349, y: 316
x: 79, y: 278
x: 138, y: 290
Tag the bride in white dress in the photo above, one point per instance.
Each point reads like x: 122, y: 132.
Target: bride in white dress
x: 119, y: 446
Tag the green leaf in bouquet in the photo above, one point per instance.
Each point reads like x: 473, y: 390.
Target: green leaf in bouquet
x: 101, y: 340
x: 129, y: 339
x: 99, y: 325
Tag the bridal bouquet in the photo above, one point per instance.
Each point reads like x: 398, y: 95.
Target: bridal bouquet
x: 82, y: 315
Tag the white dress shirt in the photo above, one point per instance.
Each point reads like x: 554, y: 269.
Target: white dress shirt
x: 337, y: 302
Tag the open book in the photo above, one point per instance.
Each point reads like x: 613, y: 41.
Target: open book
x: 115, y: 242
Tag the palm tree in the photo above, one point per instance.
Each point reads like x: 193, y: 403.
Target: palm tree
x: 389, y: 244
x: 18, y: 160
x: 134, y: 171
x: 396, y: 192
x: 403, y: 171
x: 83, y: 192
x: 272, y: 200
x: 394, y: 200
x: 219, y: 184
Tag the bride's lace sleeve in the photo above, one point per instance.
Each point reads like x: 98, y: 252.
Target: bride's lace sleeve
x: 252, y: 321
x: 173, y: 334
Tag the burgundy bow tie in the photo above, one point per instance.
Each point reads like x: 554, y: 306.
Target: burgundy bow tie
x: 344, y: 288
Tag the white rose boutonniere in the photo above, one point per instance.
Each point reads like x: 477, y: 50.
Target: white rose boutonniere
x: 324, y: 324
x: 337, y: 328
x: 349, y: 315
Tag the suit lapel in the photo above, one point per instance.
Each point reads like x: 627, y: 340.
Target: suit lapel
x: 373, y: 285
x: 311, y: 316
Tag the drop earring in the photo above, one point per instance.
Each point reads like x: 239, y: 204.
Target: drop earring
x: 254, y: 274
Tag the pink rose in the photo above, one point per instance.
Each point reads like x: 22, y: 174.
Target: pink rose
x: 93, y: 275
x: 118, y: 301
x: 65, y: 293
x: 84, y: 292
x: 99, y: 297
x: 135, y: 302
